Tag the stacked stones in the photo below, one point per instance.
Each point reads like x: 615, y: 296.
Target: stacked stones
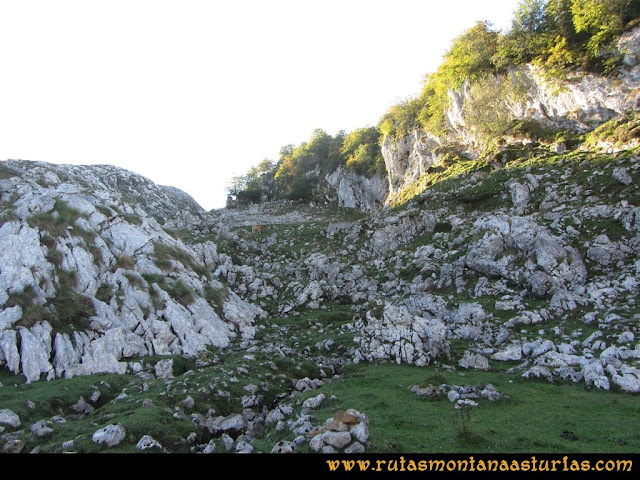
x: 346, y: 432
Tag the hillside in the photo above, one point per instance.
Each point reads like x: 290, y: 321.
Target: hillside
x: 523, y: 274
x: 460, y: 290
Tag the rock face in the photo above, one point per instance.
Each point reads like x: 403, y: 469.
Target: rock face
x: 581, y: 104
x: 408, y: 158
x: 356, y: 191
x: 547, y: 264
x: 90, y: 277
x: 402, y: 337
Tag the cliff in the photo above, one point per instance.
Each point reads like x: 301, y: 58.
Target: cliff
x: 578, y: 104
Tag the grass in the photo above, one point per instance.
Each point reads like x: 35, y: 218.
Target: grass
x: 179, y: 291
x: 56, y: 221
x: 531, y: 416
x: 165, y: 254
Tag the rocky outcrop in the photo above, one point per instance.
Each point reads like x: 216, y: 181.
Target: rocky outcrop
x: 581, y: 104
x: 89, y: 278
x: 401, y: 337
x: 357, y: 191
x: 522, y: 252
x: 408, y: 158
x: 346, y: 432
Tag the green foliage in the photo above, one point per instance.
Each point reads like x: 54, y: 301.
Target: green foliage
x: 471, y: 56
x: 301, y: 168
x: 105, y: 293
x: 125, y: 262
x: 618, y: 132
x: 558, y: 36
x: 68, y: 310
x: 57, y: 221
x: 166, y: 254
x: 362, y: 150
x: 486, y: 111
x: 180, y: 292
x: 249, y: 188
x: 6, y: 172
x: 216, y: 298
x: 71, y: 309
x: 32, y: 311
x: 400, y: 119
x: 603, y: 20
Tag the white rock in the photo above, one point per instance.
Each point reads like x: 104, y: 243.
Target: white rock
x: 622, y: 176
x: 9, y: 348
x: 474, y: 360
x: 147, y: 442
x: 34, y: 357
x: 7, y: 417
x: 111, y: 435
x: 355, y: 447
x: 313, y: 402
x: 513, y: 352
x: 284, y: 447
x: 337, y: 440
x: 164, y: 368
x: 316, y: 443
x: 41, y: 429
x: 9, y: 316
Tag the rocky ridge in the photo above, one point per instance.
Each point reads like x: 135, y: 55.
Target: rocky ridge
x: 89, y: 277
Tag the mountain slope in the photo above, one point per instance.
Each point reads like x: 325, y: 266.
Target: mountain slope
x: 89, y: 277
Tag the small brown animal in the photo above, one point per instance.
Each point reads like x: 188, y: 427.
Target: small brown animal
x: 257, y: 229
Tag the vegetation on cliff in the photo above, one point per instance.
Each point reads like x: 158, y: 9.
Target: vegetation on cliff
x: 557, y: 36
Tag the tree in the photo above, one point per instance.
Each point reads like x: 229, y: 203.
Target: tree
x: 603, y: 20
x: 362, y: 150
x: 470, y: 56
x: 530, y: 17
x: 527, y: 37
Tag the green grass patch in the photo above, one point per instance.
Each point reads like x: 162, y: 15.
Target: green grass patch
x: 531, y: 416
x: 56, y: 221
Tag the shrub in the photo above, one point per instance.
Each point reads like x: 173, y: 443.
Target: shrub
x: 180, y: 292
x: 216, y: 298
x: 71, y: 309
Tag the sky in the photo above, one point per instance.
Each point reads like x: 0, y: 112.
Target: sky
x: 190, y: 93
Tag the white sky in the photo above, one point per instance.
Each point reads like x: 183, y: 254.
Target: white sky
x: 191, y: 92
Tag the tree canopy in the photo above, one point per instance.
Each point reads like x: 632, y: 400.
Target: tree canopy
x: 556, y: 35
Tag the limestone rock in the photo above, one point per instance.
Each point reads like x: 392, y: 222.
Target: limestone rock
x: 8, y: 417
x: 284, y: 447
x: 622, y: 176
x: 474, y: 360
x: 513, y: 352
x: 41, y: 428
x: 13, y: 445
x: 357, y: 191
x: 111, y: 435
x: 164, y: 368
x: 313, y: 402
x: 147, y: 442
x: 402, y: 337
x: 337, y: 439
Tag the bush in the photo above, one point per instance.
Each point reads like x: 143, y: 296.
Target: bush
x: 180, y: 292
x: 71, y: 309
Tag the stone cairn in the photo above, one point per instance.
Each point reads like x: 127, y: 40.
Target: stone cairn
x: 346, y: 432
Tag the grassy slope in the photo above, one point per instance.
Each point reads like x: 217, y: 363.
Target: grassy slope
x: 531, y: 416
